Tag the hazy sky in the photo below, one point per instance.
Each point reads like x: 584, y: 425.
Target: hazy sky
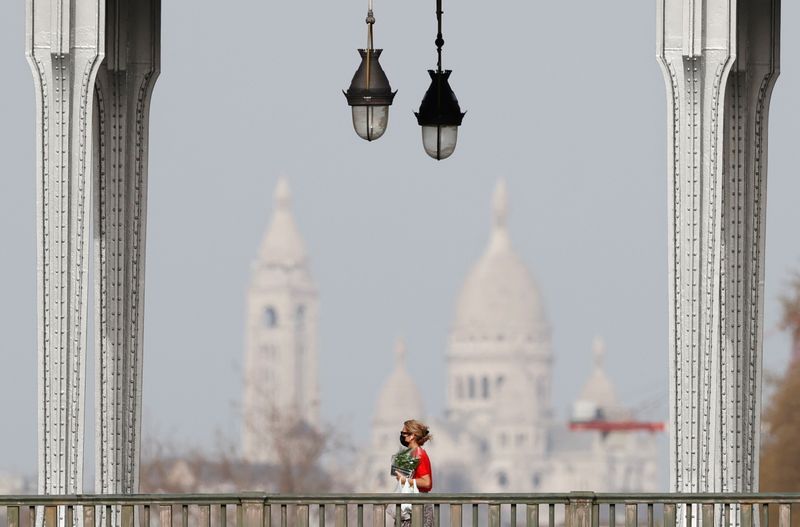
x: 564, y: 99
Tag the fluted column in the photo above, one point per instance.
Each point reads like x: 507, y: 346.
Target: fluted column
x: 742, y: 228
x: 124, y: 86
x: 66, y: 45
x: 64, y: 48
x: 719, y: 59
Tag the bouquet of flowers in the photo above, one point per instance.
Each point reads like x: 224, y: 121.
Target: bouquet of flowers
x: 404, y: 463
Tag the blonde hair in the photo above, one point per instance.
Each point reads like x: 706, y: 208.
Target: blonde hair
x: 420, y: 431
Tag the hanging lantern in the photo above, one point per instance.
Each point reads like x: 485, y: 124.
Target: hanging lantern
x: 439, y: 113
x: 370, y: 94
x: 439, y: 116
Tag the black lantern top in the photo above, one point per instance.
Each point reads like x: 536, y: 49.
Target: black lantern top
x: 370, y: 86
x: 439, y: 106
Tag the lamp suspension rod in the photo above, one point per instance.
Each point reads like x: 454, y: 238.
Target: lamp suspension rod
x: 439, y: 39
x: 439, y: 44
x: 370, y: 23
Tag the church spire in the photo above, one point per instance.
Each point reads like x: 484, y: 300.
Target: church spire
x: 599, y: 352
x: 599, y: 389
x: 400, y: 353
x: 283, y: 196
x: 500, y: 205
x: 499, y: 238
x: 282, y: 243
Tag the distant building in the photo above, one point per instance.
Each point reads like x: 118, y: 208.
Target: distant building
x: 11, y: 484
x: 617, y: 461
x: 280, y: 373
x: 498, y: 433
x: 398, y: 400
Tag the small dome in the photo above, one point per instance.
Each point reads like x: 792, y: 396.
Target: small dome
x: 282, y: 244
x: 399, y: 399
x: 598, y: 399
x: 499, y: 295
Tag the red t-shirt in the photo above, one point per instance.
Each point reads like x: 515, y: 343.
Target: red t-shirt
x: 424, y: 467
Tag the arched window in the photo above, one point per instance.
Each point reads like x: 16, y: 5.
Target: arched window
x: 270, y: 317
x: 502, y: 479
x: 459, y: 387
x: 485, y: 387
x: 300, y: 315
x: 471, y: 387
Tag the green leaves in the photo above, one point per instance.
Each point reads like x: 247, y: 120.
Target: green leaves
x: 404, y: 461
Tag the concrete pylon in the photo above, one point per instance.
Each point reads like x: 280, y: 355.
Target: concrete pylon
x: 720, y: 62
x: 66, y: 44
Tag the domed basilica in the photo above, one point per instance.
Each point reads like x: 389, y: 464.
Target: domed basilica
x: 498, y: 432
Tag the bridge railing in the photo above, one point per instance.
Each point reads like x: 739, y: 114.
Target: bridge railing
x: 576, y: 509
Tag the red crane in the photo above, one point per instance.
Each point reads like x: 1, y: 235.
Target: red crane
x: 605, y: 427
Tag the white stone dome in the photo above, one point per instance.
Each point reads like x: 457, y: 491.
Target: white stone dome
x: 399, y: 399
x: 499, y: 296
x: 598, y: 399
x: 598, y: 388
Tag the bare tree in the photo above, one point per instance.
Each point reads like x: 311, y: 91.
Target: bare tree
x: 298, y: 465
x: 299, y: 448
x: 293, y: 449
x: 780, y: 448
x: 790, y: 320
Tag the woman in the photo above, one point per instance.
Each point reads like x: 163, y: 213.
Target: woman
x: 414, y: 435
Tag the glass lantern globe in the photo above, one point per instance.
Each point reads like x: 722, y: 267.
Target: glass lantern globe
x: 439, y: 116
x: 370, y: 122
x: 439, y: 141
x: 370, y: 96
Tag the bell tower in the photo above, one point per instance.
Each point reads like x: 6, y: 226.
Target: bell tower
x: 280, y: 377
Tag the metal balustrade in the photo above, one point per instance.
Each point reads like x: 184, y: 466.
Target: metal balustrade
x: 576, y: 509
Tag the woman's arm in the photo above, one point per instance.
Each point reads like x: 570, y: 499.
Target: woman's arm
x: 423, y: 482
